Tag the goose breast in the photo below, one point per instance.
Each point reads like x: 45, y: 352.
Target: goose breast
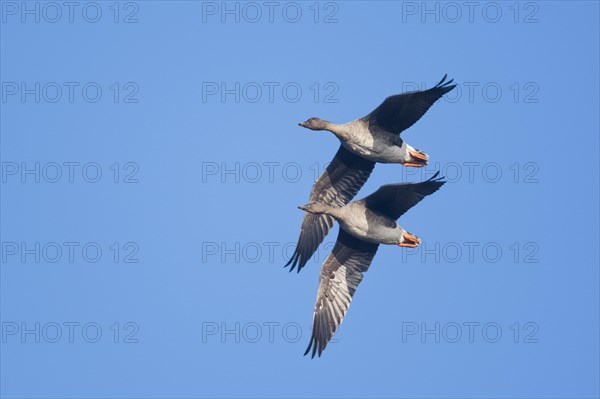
x: 369, y: 226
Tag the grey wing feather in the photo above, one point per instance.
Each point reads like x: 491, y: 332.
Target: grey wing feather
x: 337, y: 185
x: 393, y: 200
x: 341, y: 273
x: 399, y: 112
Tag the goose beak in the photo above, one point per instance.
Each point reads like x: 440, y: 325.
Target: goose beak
x: 303, y: 208
x: 418, y: 158
x: 302, y: 124
x: 409, y: 240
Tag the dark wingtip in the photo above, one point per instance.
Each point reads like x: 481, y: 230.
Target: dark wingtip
x: 447, y: 89
x: 442, y: 80
x: 310, y: 346
x: 447, y: 86
x: 296, y: 262
x: 293, y: 260
x: 435, y: 179
x: 308, y: 349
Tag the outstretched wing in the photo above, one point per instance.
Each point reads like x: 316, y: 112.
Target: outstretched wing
x: 393, y: 200
x: 341, y: 273
x: 399, y: 112
x: 336, y: 186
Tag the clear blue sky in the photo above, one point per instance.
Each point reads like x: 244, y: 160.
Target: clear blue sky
x: 151, y: 169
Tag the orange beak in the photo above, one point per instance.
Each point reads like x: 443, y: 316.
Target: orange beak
x: 419, y: 158
x: 410, y: 240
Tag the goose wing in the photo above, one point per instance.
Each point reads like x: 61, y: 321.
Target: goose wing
x: 341, y: 273
x: 393, y: 200
x: 399, y: 112
x: 336, y: 186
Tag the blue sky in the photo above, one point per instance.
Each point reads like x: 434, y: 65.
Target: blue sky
x: 152, y: 165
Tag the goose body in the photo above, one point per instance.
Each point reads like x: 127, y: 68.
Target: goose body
x: 364, y: 225
x: 374, y: 138
x: 375, y: 144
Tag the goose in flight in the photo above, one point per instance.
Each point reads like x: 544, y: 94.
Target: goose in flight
x: 364, y: 224
x: 365, y: 141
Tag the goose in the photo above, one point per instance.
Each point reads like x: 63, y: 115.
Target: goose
x: 364, y: 224
x: 365, y: 141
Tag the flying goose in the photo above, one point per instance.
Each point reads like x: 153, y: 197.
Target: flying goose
x: 364, y: 224
x: 365, y: 141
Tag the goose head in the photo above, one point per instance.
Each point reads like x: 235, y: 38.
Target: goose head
x: 314, y: 124
x: 316, y: 208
